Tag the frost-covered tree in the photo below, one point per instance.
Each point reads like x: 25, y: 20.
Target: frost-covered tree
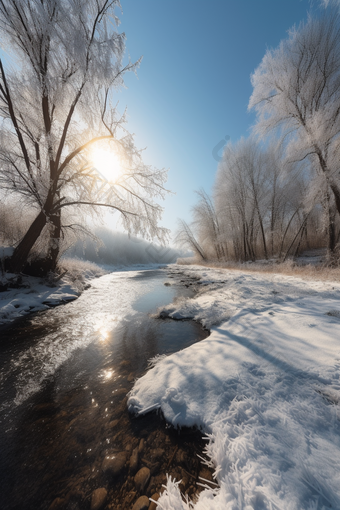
x: 297, y: 94
x: 56, y: 105
x: 240, y: 195
x: 260, y: 210
x: 207, y: 226
x: 260, y: 207
x: 185, y: 236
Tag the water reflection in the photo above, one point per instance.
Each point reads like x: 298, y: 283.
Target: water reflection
x: 53, y: 446
x: 103, y: 334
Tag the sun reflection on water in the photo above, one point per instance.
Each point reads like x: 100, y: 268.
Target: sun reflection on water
x: 103, y: 325
x: 107, y: 375
x: 103, y: 334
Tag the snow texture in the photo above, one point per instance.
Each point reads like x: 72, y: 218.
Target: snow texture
x: 264, y: 387
x: 34, y: 295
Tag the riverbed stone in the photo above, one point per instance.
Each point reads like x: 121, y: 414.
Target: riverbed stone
x: 141, y: 445
x: 114, y: 464
x: 134, y: 460
x: 142, y: 503
x: 153, y: 505
x: 142, y: 478
x: 98, y: 498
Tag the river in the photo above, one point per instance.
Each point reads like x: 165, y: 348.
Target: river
x: 64, y: 377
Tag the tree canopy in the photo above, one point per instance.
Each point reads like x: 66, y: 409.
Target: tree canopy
x: 297, y: 94
x: 56, y: 104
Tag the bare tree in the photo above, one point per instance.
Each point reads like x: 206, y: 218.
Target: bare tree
x: 240, y: 195
x: 259, y: 206
x: 297, y: 94
x: 186, y: 237
x: 207, y: 226
x: 56, y: 104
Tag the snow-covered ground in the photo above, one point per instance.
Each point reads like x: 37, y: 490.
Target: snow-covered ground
x: 264, y: 386
x: 33, y: 294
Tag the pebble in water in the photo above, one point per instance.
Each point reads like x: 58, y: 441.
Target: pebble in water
x: 153, y: 505
x: 142, y: 478
x: 114, y: 464
x: 98, y: 498
x: 134, y: 461
x: 142, y: 503
x: 141, y: 445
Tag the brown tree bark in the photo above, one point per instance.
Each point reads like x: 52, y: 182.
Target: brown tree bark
x: 54, y: 243
x: 21, y: 252
x: 336, y: 193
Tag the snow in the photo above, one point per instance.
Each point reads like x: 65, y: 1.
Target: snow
x: 34, y: 295
x: 263, y: 387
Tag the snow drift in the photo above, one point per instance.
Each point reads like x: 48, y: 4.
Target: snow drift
x: 263, y: 387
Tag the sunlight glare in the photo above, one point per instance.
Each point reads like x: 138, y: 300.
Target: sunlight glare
x: 103, y: 334
x: 107, y: 163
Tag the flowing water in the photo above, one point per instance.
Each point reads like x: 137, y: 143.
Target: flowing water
x: 64, y: 377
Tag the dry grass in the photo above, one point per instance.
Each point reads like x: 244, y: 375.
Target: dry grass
x: 322, y: 271
x: 77, y: 269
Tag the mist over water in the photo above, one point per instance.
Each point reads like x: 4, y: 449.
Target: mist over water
x: 118, y: 248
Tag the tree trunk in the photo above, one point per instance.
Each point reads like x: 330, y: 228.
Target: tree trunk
x: 21, y: 252
x: 262, y: 230
x: 331, y: 230
x: 54, y: 242
x: 296, y: 236
x: 303, y: 232
x: 285, y: 233
x: 336, y: 193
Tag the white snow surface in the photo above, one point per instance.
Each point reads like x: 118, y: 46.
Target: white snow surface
x: 264, y: 387
x: 35, y: 294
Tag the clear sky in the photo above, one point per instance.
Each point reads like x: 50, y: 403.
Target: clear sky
x: 193, y: 84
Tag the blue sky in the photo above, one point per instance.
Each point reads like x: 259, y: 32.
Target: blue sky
x: 193, y: 84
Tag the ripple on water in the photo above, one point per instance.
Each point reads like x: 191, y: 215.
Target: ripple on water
x: 71, y: 373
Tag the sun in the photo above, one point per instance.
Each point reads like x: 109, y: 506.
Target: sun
x: 107, y: 163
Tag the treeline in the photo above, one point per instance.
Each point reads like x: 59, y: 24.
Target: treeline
x: 277, y: 193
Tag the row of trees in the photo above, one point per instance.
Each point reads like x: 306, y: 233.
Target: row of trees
x: 279, y: 191
x: 67, y: 59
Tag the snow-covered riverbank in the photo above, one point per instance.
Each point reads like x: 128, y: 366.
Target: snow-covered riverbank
x: 30, y: 294
x: 264, y: 387
x: 35, y: 294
